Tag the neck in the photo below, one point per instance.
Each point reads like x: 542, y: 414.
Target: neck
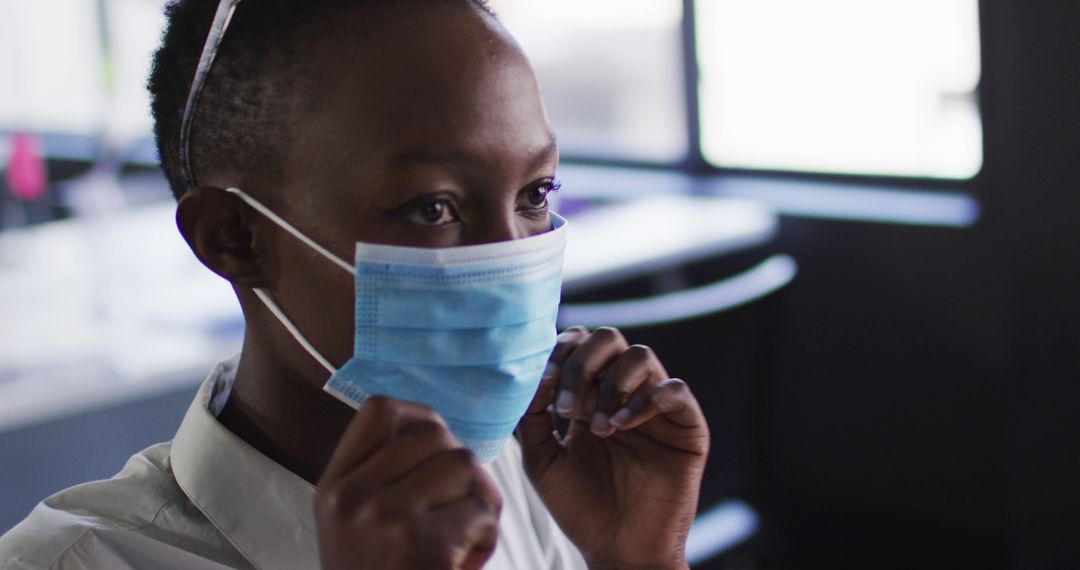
x: 276, y: 410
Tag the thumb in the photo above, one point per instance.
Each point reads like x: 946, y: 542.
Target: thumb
x: 540, y: 443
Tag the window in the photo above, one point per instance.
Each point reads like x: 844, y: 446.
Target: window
x: 51, y: 66
x: 76, y: 66
x: 883, y: 88
x: 611, y: 71
x: 842, y: 86
x: 134, y: 33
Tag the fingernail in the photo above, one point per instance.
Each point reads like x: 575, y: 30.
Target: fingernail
x: 620, y: 417
x: 565, y: 404
x: 599, y: 424
x: 549, y: 371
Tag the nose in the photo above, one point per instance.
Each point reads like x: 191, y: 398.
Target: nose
x: 493, y: 224
x: 492, y: 229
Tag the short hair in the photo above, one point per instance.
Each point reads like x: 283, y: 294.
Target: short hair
x: 249, y: 94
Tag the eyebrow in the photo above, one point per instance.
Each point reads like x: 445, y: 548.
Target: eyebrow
x: 429, y: 155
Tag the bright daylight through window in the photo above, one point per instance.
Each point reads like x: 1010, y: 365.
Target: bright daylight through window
x: 87, y: 75
x: 611, y: 71
x: 843, y: 86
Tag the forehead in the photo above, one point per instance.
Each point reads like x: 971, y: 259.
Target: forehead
x: 440, y: 76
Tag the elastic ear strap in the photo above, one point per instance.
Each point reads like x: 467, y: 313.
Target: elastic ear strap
x: 289, y: 228
x: 295, y: 332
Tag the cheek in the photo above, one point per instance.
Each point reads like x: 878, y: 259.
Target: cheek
x: 536, y: 225
x: 318, y: 296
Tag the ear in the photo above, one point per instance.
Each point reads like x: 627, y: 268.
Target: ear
x: 218, y: 227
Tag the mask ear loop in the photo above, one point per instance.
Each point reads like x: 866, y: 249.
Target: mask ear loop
x: 289, y: 228
x: 264, y: 295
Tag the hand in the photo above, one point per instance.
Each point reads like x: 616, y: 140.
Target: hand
x: 401, y: 492
x: 623, y: 484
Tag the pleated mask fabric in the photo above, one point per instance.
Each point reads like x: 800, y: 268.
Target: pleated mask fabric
x: 464, y: 330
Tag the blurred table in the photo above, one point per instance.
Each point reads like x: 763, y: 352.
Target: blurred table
x: 104, y: 311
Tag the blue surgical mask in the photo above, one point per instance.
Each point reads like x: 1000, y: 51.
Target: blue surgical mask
x: 464, y: 330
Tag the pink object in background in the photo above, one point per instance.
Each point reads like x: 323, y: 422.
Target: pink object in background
x: 26, y: 169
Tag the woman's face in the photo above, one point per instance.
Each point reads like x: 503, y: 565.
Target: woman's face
x: 428, y: 130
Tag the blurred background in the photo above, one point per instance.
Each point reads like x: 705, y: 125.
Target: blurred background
x: 849, y: 224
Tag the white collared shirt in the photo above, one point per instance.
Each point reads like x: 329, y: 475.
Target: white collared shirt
x: 209, y: 500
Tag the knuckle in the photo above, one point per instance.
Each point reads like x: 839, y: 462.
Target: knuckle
x: 641, y: 353
x: 330, y: 502
x: 426, y: 428
x: 658, y: 395
x: 379, y: 405
x: 424, y: 413
x: 462, y: 458
x: 388, y: 409
x: 677, y: 385
x: 400, y: 411
x: 431, y: 423
x: 670, y: 393
x: 571, y: 337
x: 608, y: 334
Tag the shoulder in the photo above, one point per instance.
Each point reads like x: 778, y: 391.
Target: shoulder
x: 57, y: 526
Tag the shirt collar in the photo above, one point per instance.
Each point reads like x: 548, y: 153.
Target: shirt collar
x: 263, y: 509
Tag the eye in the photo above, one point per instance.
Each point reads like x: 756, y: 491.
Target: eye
x: 536, y: 197
x: 434, y: 212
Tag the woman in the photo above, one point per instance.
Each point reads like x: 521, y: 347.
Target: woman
x: 411, y: 137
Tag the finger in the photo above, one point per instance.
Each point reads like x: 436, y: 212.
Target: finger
x: 567, y: 341
x: 540, y: 441
x: 579, y: 372
x: 565, y: 344
x: 618, y: 383
x: 413, y: 444
x: 445, y: 477
x: 468, y: 528
x: 374, y: 424
x: 671, y: 399
x: 537, y: 428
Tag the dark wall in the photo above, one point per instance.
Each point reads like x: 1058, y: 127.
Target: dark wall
x: 912, y: 400
x: 884, y: 422
x: 1032, y: 95
x: 924, y: 409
